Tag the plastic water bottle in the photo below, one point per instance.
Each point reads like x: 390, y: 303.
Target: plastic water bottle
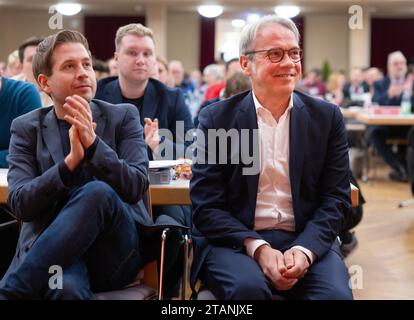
x: 406, y: 103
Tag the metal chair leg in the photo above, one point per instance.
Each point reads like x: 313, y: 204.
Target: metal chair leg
x: 161, y: 284
x: 187, y: 241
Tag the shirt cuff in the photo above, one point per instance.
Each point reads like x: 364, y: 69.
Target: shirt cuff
x: 65, y: 173
x: 252, y: 245
x: 311, y: 256
x: 90, y: 151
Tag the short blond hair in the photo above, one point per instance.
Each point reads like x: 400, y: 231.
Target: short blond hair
x: 133, y: 28
x: 12, y: 59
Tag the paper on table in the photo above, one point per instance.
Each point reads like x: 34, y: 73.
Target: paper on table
x: 161, y: 164
x: 3, y: 177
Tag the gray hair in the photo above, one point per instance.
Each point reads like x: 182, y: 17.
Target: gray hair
x: 249, y: 32
x: 214, y: 70
x: 395, y: 54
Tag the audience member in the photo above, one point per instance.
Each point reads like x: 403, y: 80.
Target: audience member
x: 336, y: 81
x: 101, y: 69
x: 78, y: 172
x: 271, y: 227
x: 16, y: 98
x: 159, y: 106
x: 113, y: 67
x: 355, y: 90
x: 26, y: 52
x: 313, y: 82
x: 389, y: 92
x: 214, y: 79
x: 14, y: 66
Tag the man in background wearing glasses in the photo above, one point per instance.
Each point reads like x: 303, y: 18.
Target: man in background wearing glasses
x: 273, y: 232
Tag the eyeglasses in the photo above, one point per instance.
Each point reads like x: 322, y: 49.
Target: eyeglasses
x: 276, y: 55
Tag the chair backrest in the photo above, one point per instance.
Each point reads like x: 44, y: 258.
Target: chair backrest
x: 9, y: 234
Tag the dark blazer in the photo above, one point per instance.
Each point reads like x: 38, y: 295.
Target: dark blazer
x: 381, y: 94
x: 347, y: 92
x: 224, y: 200
x: 161, y: 102
x: 36, y: 191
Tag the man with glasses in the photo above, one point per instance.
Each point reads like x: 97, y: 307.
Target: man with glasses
x: 272, y: 231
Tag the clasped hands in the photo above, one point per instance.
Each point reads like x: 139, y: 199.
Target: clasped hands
x: 282, y: 269
x: 82, y: 132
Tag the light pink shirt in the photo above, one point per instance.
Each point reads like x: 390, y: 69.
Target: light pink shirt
x: 274, y: 208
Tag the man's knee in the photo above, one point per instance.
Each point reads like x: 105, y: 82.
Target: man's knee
x: 97, y: 190
x: 335, y: 293
x: 70, y: 290
x: 248, y: 289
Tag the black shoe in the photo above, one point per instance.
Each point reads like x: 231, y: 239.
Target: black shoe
x: 399, y: 175
x: 350, y: 245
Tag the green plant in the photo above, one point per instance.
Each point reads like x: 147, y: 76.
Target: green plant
x: 326, y: 70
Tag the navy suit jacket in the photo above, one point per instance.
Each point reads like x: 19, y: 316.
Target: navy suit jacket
x: 381, y: 94
x: 161, y: 102
x: 36, y: 190
x: 224, y: 200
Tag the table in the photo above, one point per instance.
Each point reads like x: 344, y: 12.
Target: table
x: 3, y: 186
x: 385, y: 120
x: 175, y: 193
x: 351, y: 112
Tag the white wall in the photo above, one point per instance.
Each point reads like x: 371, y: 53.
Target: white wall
x: 227, y: 39
x: 326, y: 38
x: 183, y: 43
x: 18, y: 25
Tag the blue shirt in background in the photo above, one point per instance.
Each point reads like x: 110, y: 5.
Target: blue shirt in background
x: 16, y: 98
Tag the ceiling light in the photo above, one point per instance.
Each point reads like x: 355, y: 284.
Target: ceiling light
x: 287, y: 11
x: 210, y: 11
x: 238, y: 23
x: 252, y: 17
x: 68, y: 9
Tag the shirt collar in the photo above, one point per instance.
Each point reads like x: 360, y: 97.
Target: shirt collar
x: 258, y: 105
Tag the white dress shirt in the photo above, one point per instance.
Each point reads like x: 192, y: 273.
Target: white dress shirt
x: 274, y: 208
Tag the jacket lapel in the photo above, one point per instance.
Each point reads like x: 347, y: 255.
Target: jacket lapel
x: 51, y: 136
x: 99, y: 117
x: 246, y: 118
x: 297, y: 143
x: 150, y: 103
x: 113, y: 92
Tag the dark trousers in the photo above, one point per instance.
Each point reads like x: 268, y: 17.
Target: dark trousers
x: 9, y: 234
x: 93, y: 239
x: 233, y: 275
x: 377, y: 136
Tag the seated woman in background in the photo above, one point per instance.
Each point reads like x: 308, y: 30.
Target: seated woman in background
x: 336, y: 81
